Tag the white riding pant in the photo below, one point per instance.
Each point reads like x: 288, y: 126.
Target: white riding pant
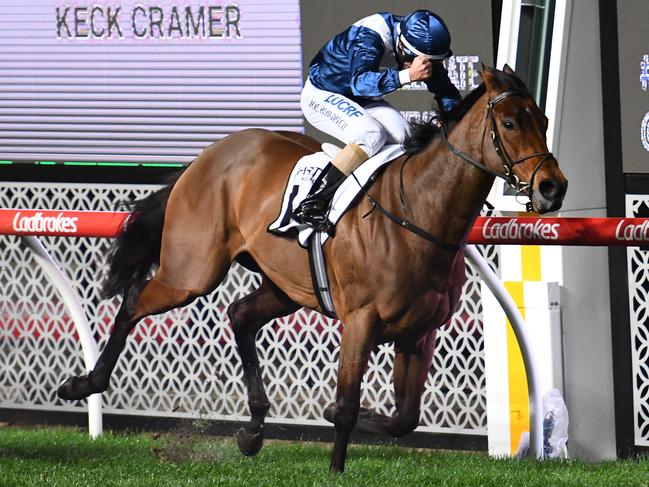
x: 369, y: 127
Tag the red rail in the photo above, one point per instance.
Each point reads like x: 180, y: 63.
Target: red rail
x: 487, y: 230
x: 561, y: 231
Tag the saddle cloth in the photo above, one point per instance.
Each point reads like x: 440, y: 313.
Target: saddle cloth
x: 305, y: 173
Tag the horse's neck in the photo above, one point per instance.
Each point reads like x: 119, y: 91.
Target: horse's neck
x: 450, y: 191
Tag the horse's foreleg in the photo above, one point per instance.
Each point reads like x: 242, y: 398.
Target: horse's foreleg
x: 138, y: 302
x: 358, y: 339
x: 409, y: 377
x: 248, y: 315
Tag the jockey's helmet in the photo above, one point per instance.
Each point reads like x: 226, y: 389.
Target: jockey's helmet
x: 422, y: 33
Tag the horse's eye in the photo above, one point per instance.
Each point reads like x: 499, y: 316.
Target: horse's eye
x: 508, y: 124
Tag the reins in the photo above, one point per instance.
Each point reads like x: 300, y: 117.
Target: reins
x: 411, y: 227
x: 508, y: 166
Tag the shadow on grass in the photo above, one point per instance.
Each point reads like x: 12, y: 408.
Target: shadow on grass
x: 70, y: 451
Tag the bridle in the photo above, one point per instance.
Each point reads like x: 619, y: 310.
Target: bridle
x: 508, y: 164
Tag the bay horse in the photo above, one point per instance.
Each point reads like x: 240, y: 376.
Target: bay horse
x: 388, y: 284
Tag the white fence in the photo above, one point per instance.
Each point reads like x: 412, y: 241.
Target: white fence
x: 638, y: 272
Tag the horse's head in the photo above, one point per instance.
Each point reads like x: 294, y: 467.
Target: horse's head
x: 517, y: 127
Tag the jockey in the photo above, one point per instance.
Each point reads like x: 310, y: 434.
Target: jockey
x: 343, y: 95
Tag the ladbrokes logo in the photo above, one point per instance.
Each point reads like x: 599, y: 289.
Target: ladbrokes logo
x: 515, y: 229
x: 40, y: 223
x: 628, y: 231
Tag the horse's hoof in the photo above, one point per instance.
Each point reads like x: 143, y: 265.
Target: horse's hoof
x: 250, y: 438
x: 75, y: 388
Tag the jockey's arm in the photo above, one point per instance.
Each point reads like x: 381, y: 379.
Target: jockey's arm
x: 366, y: 79
x: 447, y: 95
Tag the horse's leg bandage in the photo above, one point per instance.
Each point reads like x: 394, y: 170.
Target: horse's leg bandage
x: 349, y: 159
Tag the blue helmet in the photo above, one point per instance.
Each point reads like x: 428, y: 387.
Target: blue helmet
x: 422, y: 33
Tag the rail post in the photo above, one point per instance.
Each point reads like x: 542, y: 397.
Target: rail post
x: 518, y: 325
x: 71, y: 301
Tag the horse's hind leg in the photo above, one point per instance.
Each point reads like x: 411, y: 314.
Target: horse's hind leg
x: 139, y: 301
x: 409, y: 377
x: 248, y: 315
x: 176, y: 284
x: 195, y: 255
x: 79, y: 387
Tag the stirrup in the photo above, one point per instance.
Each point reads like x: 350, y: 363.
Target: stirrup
x: 315, y: 217
x: 317, y: 221
x: 311, y: 211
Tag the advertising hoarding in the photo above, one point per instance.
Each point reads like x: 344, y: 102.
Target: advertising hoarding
x: 143, y: 82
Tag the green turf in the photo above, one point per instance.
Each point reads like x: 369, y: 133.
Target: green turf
x: 68, y: 457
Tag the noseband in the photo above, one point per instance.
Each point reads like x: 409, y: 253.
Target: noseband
x: 508, y: 164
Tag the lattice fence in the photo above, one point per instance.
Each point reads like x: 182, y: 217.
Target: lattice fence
x: 638, y: 272
x: 184, y: 363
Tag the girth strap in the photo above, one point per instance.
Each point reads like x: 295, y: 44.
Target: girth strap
x: 319, y: 275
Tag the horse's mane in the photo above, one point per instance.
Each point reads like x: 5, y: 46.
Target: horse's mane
x: 423, y: 132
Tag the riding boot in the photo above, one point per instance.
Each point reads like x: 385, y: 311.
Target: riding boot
x: 313, y: 208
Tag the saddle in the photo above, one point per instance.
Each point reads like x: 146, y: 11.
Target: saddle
x: 306, y: 171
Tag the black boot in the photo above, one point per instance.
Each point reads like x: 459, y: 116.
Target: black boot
x: 313, y: 209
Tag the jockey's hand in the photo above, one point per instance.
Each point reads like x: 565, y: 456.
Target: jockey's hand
x: 421, y: 69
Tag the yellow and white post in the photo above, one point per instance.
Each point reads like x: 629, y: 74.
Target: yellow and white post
x: 536, y: 292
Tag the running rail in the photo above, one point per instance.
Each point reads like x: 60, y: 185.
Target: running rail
x: 493, y: 230
x: 487, y: 230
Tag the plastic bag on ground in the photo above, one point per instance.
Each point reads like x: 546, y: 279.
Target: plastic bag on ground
x: 555, y: 428
x: 555, y: 425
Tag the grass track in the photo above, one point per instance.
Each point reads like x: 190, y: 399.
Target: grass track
x: 66, y: 457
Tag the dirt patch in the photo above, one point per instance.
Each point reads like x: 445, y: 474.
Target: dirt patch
x: 190, y: 444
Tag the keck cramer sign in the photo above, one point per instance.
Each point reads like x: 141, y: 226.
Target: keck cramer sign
x: 90, y: 21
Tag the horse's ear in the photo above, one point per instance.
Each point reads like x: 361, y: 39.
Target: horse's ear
x: 484, y: 68
x: 489, y: 77
x: 508, y: 70
x: 485, y: 71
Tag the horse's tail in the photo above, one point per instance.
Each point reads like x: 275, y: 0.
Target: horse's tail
x: 136, y: 250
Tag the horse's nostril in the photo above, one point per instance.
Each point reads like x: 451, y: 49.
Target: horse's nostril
x: 552, y: 189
